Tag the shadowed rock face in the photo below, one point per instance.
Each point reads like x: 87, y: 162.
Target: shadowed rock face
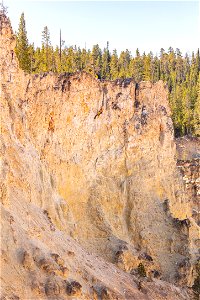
x: 89, y: 166
x: 188, y: 162
x: 190, y: 170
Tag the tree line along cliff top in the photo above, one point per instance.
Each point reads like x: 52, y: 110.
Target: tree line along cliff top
x: 181, y: 73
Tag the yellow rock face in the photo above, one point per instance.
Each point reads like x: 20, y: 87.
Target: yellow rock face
x: 87, y: 164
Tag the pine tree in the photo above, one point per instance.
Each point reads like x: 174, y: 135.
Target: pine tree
x: 105, y: 70
x: 186, y: 67
x: 155, y: 69
x: 31, y: 52
x: 164, y: 65
x: 22, y: 46
x: 124, y: 64
x: 78, y: 56
x: 46, y: 50
x: 70, y: 64
x: 114, y: 68
x: 37, y: 61
x: 96, y: 60
x: 86, y: 60
x: 138, y: 67
x: 179, y: 67
x: 57, y: 62
x: 147, y: 66
x: 196, y: 118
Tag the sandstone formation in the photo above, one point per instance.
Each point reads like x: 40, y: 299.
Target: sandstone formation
x: 92, y: 203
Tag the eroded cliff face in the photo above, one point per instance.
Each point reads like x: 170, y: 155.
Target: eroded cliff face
x: 191, y: 177
x: 90, y: 166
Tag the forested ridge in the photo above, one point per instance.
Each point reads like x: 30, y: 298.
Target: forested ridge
x: 180, y: 72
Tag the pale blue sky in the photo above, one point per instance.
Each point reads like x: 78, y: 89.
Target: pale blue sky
x: 148, y: 25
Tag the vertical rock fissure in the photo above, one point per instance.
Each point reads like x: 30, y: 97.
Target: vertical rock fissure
x: 127, y: 201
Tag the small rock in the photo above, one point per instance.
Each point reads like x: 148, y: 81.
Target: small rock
x: 73, y: 288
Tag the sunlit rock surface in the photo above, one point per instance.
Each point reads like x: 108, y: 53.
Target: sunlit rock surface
x: 90, y: 189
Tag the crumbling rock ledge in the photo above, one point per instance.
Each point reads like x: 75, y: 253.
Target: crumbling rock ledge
x: 92, y: 201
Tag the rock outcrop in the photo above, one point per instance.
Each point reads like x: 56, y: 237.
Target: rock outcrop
x: 188, y: 162
x: 90, y: 191
x: 190, y: 169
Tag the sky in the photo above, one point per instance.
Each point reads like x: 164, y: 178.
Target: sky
x: 147, y: 25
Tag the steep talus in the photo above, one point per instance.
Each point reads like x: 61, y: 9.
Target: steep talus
x: 90, y: 189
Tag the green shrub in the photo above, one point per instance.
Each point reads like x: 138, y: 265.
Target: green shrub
x: 141, y: 270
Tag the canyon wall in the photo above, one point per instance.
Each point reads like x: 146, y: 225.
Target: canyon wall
x: 190, y: 169
x: 90, y: 187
